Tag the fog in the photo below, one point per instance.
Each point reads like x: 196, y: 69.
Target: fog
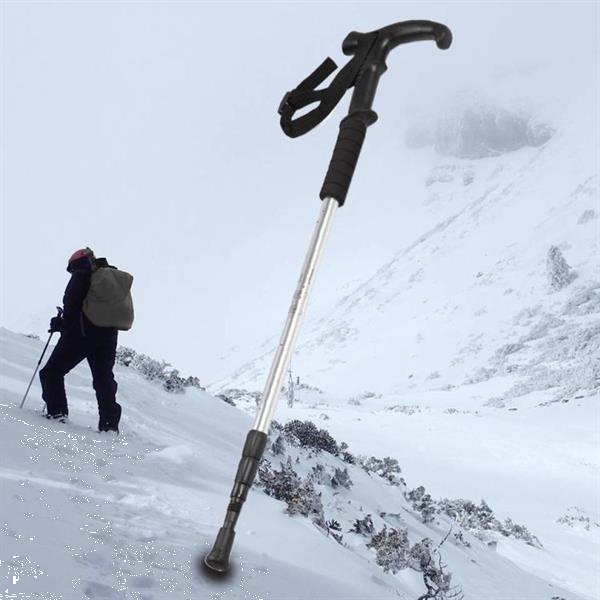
x: 149, y: 132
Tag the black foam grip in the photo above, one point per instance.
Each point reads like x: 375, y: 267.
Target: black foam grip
x: 345, y: 156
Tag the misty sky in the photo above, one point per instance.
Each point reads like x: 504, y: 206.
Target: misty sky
x: 149, y: 132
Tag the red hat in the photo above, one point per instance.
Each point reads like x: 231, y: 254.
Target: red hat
x: 81, y: 253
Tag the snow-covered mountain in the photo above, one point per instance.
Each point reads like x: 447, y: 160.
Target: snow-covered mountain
x: 468, y: 297
x: 473, y: 352
x: 90, y: 516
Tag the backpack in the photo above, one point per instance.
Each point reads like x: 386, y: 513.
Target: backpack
x: 108, y: 302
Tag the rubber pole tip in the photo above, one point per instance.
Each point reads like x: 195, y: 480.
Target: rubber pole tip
x: 215, y: 565
x: 217, y: 559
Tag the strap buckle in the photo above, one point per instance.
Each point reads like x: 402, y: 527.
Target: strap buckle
x: 284, y: 105
x: 305, y: 93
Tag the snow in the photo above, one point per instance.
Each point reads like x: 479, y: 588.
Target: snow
x: 471, y: 241
x: 445, y: 339
x: 86, y: 515
x: 456, y: 354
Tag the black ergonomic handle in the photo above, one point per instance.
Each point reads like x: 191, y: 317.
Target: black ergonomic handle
x: 360, y: 115
x: 369, y: 52
x: 387, y: 39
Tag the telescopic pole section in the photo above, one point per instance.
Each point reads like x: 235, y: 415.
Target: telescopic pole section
x: 218, y: 558
x: 263, y: 419
x: 36, y: 370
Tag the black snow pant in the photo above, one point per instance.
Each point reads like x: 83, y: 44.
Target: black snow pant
x: 99, y: 346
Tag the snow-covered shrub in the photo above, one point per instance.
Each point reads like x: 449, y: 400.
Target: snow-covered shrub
x: 387, y: 467
x: 357, y: 400
x: 333, y: 529
x: 349, y: 458
x: 576, y: 518
x: 481, y: 374
x: 319, y: 475
x: 309, y: 436
x: 394, y: 553
x: 149, y: 367
x: 480, y: 520
x: 172, y: 382
x: 459, y: 538
x: 333, y: 524
x: 225, y: 398
x: 309, y: 388
x: 507, y: 350
x: 558, y: 272
x: 125, y: 356
x: 341, y: 478
x: 391, y: 548
x: 278, y: 446
x: 421, y: 501
x: 468, y: 515
x: 558, y: 350
x: 425, y: 557
x: 307, y: 502
x: 587, y: 216
x: 233, y: 396
x: 345, y: 455
x: 519, y: 532
x: 584, y: 301
x: 495, y: 402
x: 406, y: 409
x: 278, y: 484
x: 192, y: 381
x: 155, y: 370
x: 286, y: 485
x: 363, y: 526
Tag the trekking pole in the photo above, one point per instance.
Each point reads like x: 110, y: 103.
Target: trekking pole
x: 60, y: 311
x: 369, y: 52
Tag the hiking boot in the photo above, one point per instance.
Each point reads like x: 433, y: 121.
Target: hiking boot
x: 60, y: 417
x: 105, y: 427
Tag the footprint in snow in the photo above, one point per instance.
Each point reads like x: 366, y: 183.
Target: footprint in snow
x: 93, y: 589
x: 80, y: 483
x: 95, y: 558
x: 142, y: 581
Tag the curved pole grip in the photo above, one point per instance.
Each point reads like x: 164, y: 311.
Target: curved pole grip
x: 401, y: 33
x: 387, y: 38
x: 353, y: 128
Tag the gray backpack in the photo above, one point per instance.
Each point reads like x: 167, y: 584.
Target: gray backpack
x: 108, y: 302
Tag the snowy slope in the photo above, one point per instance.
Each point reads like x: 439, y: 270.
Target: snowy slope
x: 537, y: 465
x: 90, y: 516
x: 466, y: 297
x: 456, y: 356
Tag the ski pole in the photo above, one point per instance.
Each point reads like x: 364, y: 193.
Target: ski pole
x: 369, y: 52
x: 40, y: 361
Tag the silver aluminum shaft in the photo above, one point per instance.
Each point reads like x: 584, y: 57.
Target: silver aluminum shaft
x: 287, y: 342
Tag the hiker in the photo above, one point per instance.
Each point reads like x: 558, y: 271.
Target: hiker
x: 97, y: 303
